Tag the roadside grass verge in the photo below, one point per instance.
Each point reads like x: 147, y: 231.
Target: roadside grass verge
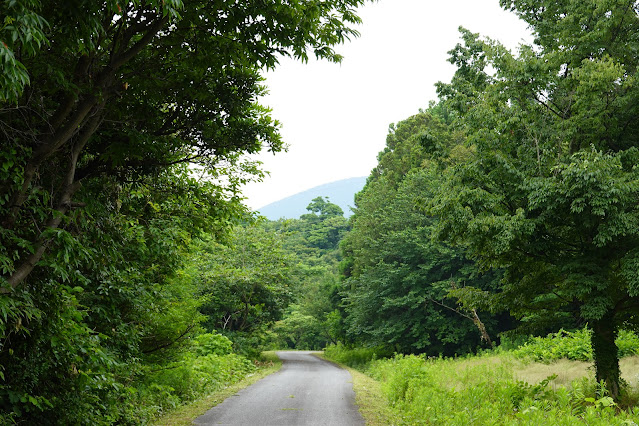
x: 494, y: 388
x: 479, y: 390
x: 184, y: 415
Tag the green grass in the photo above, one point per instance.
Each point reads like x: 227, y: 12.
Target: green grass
x: 478, y: 390
x: 184, y: 415
x: 490, y: 389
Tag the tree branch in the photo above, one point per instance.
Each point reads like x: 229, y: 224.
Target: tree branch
x: 172, y: 342
x: 64, y: 204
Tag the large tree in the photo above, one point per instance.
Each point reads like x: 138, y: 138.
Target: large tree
x: 126, y: 89
x: 550, y: 192
x: 398, y: 276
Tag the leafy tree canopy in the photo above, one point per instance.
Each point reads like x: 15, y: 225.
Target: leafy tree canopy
x: 549, y: 192
x: 398, y: 275
x: 125, y: 90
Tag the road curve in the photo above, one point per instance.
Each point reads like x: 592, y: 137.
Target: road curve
x: 306, y: 391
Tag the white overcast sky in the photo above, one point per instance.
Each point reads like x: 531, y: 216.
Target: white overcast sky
x: 335, y: 117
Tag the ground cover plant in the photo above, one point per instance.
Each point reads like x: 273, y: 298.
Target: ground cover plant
x: 543, y: 381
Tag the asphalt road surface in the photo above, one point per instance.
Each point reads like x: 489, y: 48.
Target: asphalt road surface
x: 306, y: 391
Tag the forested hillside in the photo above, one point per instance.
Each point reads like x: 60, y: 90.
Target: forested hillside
x: 340, y: 192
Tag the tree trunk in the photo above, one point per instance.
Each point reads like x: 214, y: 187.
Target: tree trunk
x: 73, y: 123
x: 605, y: 354
x: 482, y: 329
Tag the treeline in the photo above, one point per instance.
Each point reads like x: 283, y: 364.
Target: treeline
x: 527, y: 166
x: 398, y: 275
x: 314, y: 318
x: 383, y: 279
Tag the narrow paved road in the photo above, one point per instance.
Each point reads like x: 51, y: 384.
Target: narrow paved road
x: 306, y: 391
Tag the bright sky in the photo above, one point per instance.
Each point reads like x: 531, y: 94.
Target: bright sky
x: 335, y: 117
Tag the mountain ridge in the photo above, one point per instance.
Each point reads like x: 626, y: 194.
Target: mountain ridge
x: 340, y: 192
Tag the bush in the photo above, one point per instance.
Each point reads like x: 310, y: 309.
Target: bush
x: 216, y: 344
x: 198, y: 376
x: 195, y: 376
x: 249, y: 345
x: 355, y: 357
x: 627, y: 343
x: 573, y: 345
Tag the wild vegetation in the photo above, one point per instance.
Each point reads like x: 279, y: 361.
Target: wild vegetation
x: 314, y: 318
x: 501, y: 221
x: 547, y: 194
x: 123, y: 126
x: 510, y: 202
x: 493, y: 387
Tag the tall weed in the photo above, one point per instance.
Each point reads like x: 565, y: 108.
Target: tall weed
x: 483, y: 391
x: 208, y: 367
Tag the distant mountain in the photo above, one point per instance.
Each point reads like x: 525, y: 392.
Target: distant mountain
x: 341, y: 193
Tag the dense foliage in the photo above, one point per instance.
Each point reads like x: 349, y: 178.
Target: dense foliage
x: 314, y: 319
x: 399, y: 276
x: 123, y: 126
x: 478, y: 389
x: 515, y: 193
x: 133, y: 279
x: 573, y: 345
x: 549, y: 192
x: 208, y: 367
x: 244, y: 283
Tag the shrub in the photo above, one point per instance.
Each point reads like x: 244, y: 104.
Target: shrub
x: 210, y: 366
x: 573, y: 345
x: 249, y: 345
x: 355, y: 357
x: 197, y: 376
x: 216, y: 344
